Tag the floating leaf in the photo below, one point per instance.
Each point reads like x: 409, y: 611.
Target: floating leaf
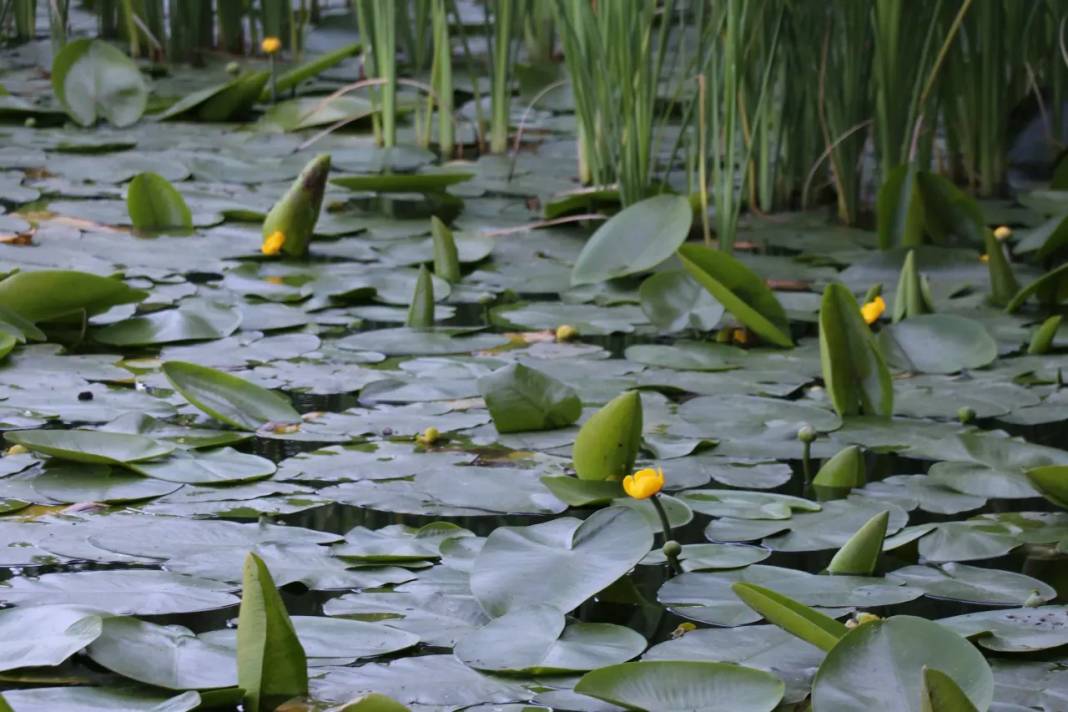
x: 154, y: 204
x: 942, y: 694
x: 536, y: 641
x: 227, y: 398
x: 91, y: 79
x: 194, y: 320
x: 91, y: 446
x: 521, y: 398
x: 402, y: 182
x: 560, y: 563
x: 271, y: 667
x: 675, y: 301
x: 607, y: 444
x: 58, y: 632
x: 854, y: 372
x: 635, y: 239
x: 682, y: 686
x: 938, y: 343
x: 740, y: 291
x: 1052, y: 482
x: 880, y: 665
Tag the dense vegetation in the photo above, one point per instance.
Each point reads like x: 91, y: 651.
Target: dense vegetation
x: 518, y: 355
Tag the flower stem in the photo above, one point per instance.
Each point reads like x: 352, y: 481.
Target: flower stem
x: 806, y: 463
x: 274, y: 81
x: 673, y: 558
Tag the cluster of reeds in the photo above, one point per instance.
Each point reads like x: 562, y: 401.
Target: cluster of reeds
x: 765, y: 106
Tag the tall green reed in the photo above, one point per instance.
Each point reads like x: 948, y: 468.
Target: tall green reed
x: 377, y: 21
x: 614, y: 53
x: 500, y: 84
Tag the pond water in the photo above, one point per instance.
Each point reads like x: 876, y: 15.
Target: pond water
x: 360, y: 520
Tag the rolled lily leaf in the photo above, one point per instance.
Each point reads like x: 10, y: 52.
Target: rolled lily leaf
x: 1052, y: 482
x: 1051, y: 288
x: 740, y: 290
x: 421, y: 310
x: 446, y: 257
x: 155, y: 204
x: 1042, y: 340
x: 860, y: 555
x: 913, y: 296
x: 854, y: 372
x: 271, y: 665
x: 899, y: 208
x: 941, y: 693
x: 842, y: 472
x: 607, y: 444
x: 222, y: 102
x: 1003, y: 284
x: 795, y: 618
x: 295, y: 214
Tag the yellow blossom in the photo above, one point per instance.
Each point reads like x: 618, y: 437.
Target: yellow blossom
x: 270, y: 45
x: 740, y: 336
x: 873, y: 310
x: 273, y: 244
x: 643, y: 484
x: 428, y: 436
x: 565, y: 332
x: 984, y: 258
x: 1003, y: 232
x: 860, y: 619
x: 16, y: 450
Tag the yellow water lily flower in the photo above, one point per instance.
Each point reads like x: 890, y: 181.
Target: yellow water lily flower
x: 873, y: 310
x: 984, y: 258
x: 1003, y: 232
x: 565, y: 332
x: 270, y: 45
x: 643, y: 484
x: 741, y: 336
x: 273, y: 244
x: 428, y: 436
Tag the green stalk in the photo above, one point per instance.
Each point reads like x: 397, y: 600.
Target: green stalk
x: 501, y: 89
x: 442, y: 78
x: 25, y: 19
x: 231, y: 26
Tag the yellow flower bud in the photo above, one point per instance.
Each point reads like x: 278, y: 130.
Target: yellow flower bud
x: 643, y: 484
x: 1003, y: 232
x: 565, y: 332
x: 873, y: 310
x: 273, y: 244
x: 984, y: 258
x: 428, y: 436
x: 740, y: 336
x: 270, y: 45
x: 860, y: 619
x: 16, y: 450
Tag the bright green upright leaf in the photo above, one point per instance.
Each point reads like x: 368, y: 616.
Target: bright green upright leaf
x: 607, y: 444
x: 793, y: 617
x: 636, y: 239
x: 844, y: 471
x: 1052, y: 482
x: 271, y: 666
x: 92, y: 79
x: 857, y: 379
x: 942, y: 694
x: 421, y: 310
x: 1051, y: 289
x: 51, y: 294
x: 951, y: 216
x: 521, y: 398
x: 446, y: 259
x: 913, y: 296
x: 741, y: 292
x: 227, y: 398
x: 155, y: 204
x: 296, y: 212
x: 1003, y: 284
x: 1042, y: 339
x: 899, y: 209
x: 860, y: 555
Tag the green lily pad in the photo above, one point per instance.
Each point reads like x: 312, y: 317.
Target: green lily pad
x: 91, y: 446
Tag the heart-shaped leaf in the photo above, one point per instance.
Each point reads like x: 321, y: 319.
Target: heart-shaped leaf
x: 92, y: 79
x: 560, y: 563
x: 154, y: 204
x: 522, y: 398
